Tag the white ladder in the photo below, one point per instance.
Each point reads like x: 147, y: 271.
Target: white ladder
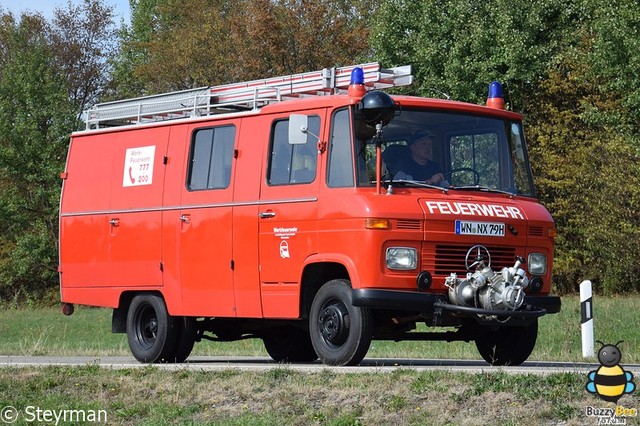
x: 249, y: 95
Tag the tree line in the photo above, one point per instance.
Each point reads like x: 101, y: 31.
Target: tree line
x: 572, y: 67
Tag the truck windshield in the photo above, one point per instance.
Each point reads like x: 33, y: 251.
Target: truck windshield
x: 457, y: 151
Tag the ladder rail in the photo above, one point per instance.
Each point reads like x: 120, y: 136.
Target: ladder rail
x: 249, y: 95
x: 134, y: 110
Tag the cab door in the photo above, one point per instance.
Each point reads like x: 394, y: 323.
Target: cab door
x: 206, y: 221
x: 288, y: 212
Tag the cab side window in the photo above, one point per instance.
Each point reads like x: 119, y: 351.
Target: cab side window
x: 210, y: 158
x: 340, y: 172
x: 292, y: 164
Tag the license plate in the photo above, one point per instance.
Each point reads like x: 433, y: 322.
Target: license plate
x: 491, y: 229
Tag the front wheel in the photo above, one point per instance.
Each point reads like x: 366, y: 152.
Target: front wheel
x: 340, y: 332
x: 508, y: 345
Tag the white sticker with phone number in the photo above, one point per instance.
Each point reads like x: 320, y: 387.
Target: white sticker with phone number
x: 491, y: 229
x: 138, y: 166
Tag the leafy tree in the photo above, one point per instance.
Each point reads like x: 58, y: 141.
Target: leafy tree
x: 563, y: 64
x: 290, y: 36
x: 35, y: 118
x: 133, y: 53
x: 173, y: 45
x: 586, y: 148
x: 83, y: 41
x: 195, y: 40
x: 588, y: 179
x: 459, y: 46
x: 615, y: 61
x: 45, y: 80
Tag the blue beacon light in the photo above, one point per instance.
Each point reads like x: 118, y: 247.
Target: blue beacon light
x: 357, y: 76
x: 356, y: 85
x: 496, y: 96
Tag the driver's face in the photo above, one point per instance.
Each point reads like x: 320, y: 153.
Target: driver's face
x: 422, y: 150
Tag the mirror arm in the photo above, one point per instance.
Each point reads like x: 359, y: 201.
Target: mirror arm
x: 378, y: 141
x: 304, y: 130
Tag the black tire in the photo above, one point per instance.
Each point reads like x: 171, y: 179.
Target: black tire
x: 340, y: 332
x: 152, y: 333
x: 508, y: 345
x: 290, y: 344
x: 185, y: 340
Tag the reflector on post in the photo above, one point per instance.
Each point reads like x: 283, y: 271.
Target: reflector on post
x: 586, y: 319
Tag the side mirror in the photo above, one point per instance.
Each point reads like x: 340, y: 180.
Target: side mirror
x: 298, y: 129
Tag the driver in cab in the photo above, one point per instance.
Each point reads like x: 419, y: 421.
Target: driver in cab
x: 419, y: 164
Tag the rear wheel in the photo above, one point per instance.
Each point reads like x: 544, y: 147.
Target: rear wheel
x: 152, y: 333
x: 185, y: 340
x: 290, y: 344
x: 508, y: 345
x: 340, y: 332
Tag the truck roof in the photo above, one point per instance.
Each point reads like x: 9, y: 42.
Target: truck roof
x: 403, y: 100
x: 327, y: 88
x: 329, y: 101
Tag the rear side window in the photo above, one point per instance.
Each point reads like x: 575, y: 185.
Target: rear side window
x: 291, y: 164
x: 210, y: 158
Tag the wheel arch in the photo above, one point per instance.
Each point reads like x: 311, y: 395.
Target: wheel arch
x: 314, y: 275
x: 119, y: 316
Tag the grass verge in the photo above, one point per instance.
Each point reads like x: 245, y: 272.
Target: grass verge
x: 45, y: 331
x: 149, y: 396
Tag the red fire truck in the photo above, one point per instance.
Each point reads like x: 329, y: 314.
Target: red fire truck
x: 313, y: 211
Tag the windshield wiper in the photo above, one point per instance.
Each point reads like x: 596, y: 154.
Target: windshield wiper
x: 483, y: 189
x: 414, y: 182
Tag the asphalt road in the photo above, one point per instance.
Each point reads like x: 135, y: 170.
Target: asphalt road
x: 377, y: 365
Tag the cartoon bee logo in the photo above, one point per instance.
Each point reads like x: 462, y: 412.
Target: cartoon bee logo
x: 610, y: 381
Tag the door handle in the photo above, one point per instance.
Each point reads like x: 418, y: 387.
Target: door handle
x: 115, y: 222
x: 186, y: 218
x: 267, y: 214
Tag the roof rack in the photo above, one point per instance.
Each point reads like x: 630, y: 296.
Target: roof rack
x: 249, y: 95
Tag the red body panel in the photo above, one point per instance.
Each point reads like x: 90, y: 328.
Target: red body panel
x: 205, y: 249
x: 129, y: 223
x: 110, y: 234
x: 288, y: 238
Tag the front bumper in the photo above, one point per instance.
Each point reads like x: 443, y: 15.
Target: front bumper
x: 428, y: 304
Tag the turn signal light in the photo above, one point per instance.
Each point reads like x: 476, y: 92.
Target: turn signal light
x: 377, y: 224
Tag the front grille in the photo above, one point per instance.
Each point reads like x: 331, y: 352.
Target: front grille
x: 449, y: 258
x: 536, y: 231
x: 409, y: 224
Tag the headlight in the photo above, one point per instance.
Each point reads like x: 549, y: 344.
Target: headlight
x: 402, y: 258
x: 537, y: 264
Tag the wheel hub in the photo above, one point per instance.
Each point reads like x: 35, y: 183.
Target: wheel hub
x: 148, y: 327
x: 151, y: 328
x: 334, y: 323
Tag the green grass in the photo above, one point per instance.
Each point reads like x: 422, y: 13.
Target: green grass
x: 45, y: 331
x: 279, y: 396
x: 150, y: 396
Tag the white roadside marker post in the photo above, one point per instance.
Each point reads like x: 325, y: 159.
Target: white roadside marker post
x: 586, y: 319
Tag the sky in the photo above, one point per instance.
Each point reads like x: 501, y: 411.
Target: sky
x: 121, y: 7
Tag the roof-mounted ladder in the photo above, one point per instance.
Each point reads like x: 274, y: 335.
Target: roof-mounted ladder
x: 235, y: 97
